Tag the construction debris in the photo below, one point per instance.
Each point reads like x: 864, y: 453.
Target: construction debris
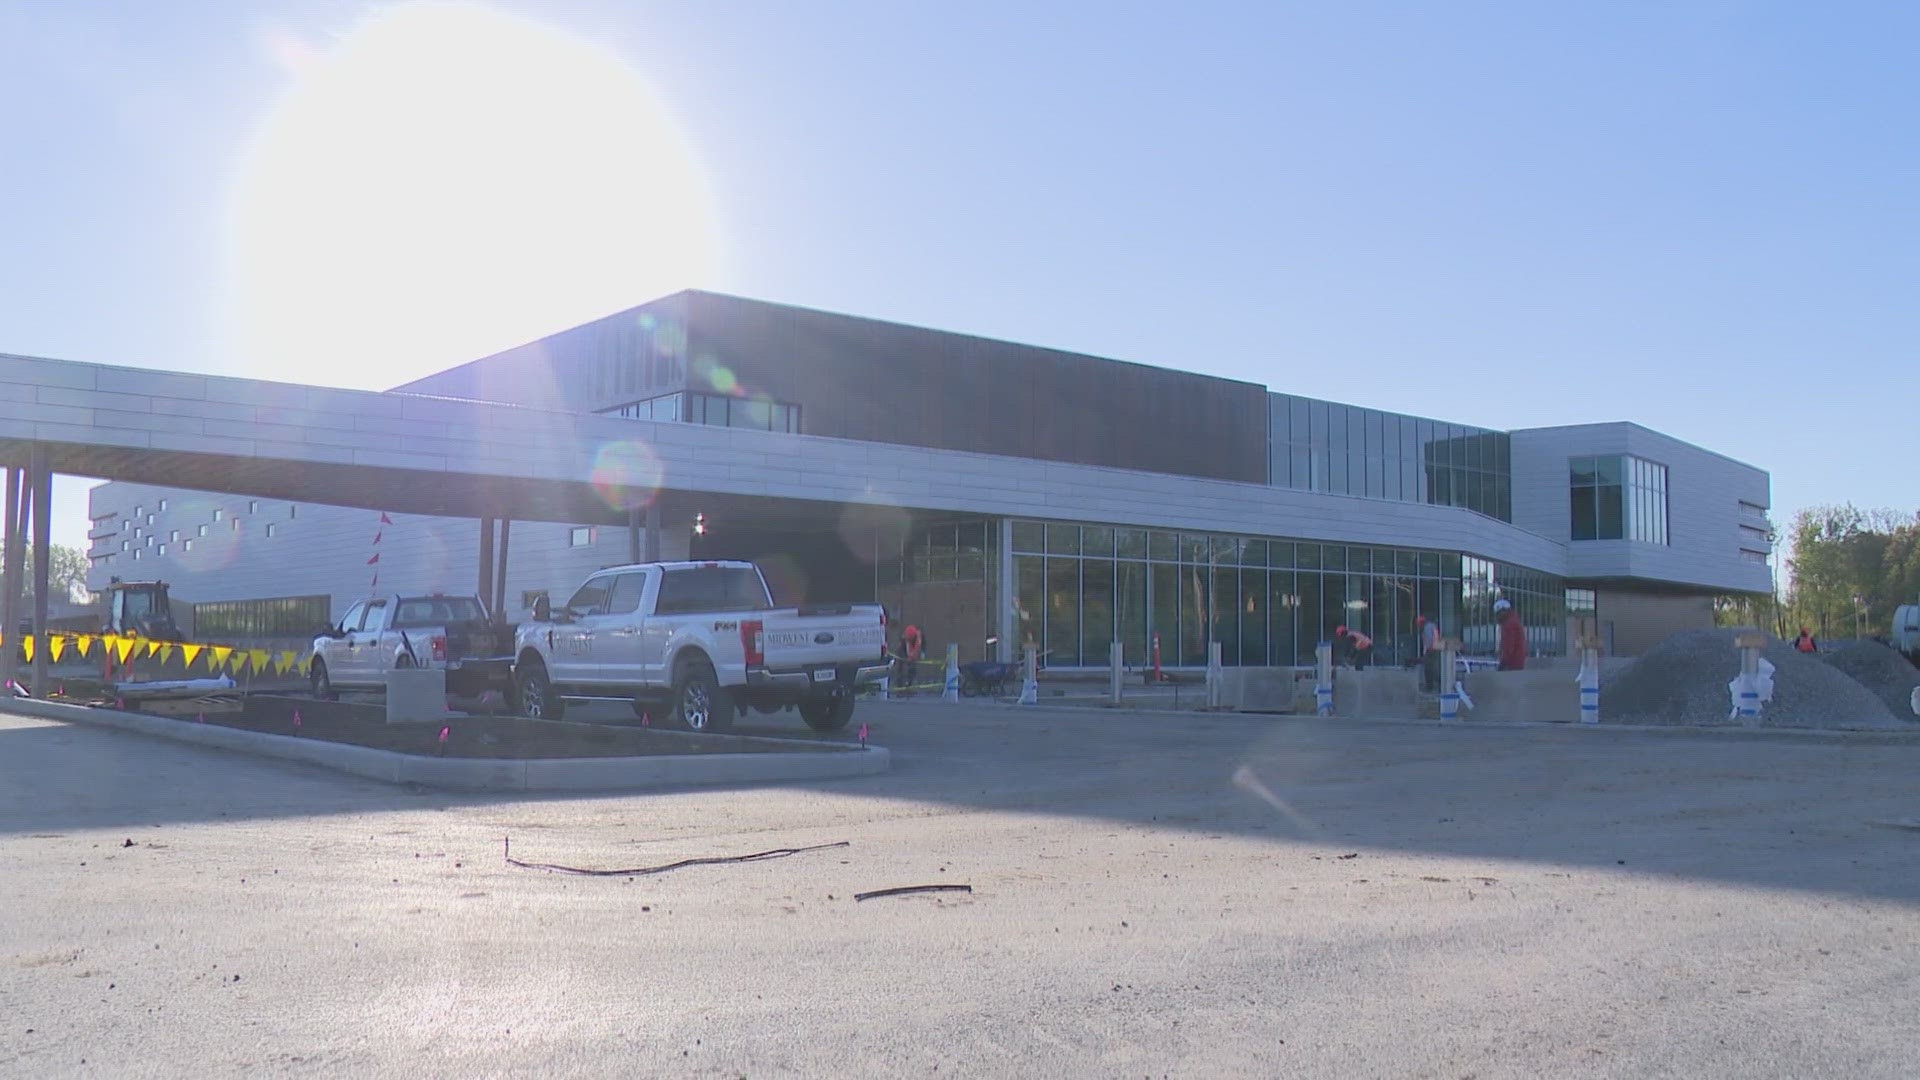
x: 1683, y: 680
x: 1880, y: 669
x: 908, y: 890
x: 642, y: 871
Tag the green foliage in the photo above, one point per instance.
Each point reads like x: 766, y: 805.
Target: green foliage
x: 67, y: 574
x: 1851, y: 568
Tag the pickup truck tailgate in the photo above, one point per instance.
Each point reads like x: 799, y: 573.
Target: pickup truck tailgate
x: 800, y: 642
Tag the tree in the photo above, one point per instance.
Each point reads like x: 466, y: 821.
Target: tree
x: 67, y: 576
x: 1851, y: 568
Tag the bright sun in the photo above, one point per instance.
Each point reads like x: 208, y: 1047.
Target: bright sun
x: 447, y: 180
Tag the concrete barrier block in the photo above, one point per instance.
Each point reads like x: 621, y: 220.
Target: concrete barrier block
x: 416, y: 695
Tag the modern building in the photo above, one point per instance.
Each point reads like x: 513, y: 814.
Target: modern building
x: 1054, y: 497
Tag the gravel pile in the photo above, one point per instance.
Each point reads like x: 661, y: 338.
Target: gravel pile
x: 1880, y: 669
x: 1683, y: 680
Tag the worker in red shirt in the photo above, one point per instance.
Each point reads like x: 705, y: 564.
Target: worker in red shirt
x: 1357, y: 646
x: 1513, y: 636
x: 912, y: 643
x: 1805, y: 643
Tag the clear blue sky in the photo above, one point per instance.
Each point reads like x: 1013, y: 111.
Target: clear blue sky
x: 1702, y: 217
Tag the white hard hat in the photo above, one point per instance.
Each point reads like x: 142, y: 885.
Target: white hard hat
x: 1503, y: 605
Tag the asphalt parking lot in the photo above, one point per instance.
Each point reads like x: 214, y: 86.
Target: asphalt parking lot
x: 1153, y: 895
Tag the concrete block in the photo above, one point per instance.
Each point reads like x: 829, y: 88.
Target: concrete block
x: 416, y: 695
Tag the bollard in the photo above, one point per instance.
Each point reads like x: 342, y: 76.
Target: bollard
x: 1030, y: 683
x: 1114, y: 664
x: 1213, y: 675
x: 1589, y: 685
x: 1323, y: 678
x: 1450, y: 695
x: 886, y: 688
x: 1748, y: 691
x: 952, y: 692
x: 1158, y: 675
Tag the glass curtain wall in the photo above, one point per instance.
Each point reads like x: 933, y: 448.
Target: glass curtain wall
x: 1266, y: 601
x: 1346, y: 450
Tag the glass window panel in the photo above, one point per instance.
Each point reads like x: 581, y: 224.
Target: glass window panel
x: 1406, y: 563
x: 1333, y: 605
x: 1430, y: 606
x: 1163, y: 546
x: 1337, y: 428
x: 1130, y: 611
x: 1302, y: 433
x: 1608, y: 469
x: 1580, y: 472
x: 1282, y: 606
x: 1195, y: 549
x: 1096, y: 611
x: 1028, y: 536
x: 1253, y: 553
x: 1063, y: 612
x: 1226, y: 549
x: 1280, y: 553
x: 1308, y: 556
x: 1375, y: 443
x: 1164, y: 579
x: 1389, y: 636
x: 1300, y: 466
x: 1130, y: 543
x: 1359, y: 560
x: 1280, y: 421
x: 1450, y: 564
x: 1030, y: 602
x: 1063, y: 540
x: 1376, y: 477
x: 1225, y: 612
x: 1333, y: 557
x: 1253, y: 616
x: 1337, y: 480
x: 1096, y: 540
x: 1429, y: 564
x: 1319, y: 410
x: 1308, y: 617
x: 1610, y: 524
x: 1585, y: 521
x: 1195, y: 589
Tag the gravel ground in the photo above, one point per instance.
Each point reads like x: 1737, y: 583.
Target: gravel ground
x: 1880, y: 669
x: 1683, y: 680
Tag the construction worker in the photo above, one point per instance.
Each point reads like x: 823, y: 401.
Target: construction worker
x: 1357, y: 646
x: 1428, y: 633
x: 1805, y: 642
x: 1513, y: 636
x: 912, y: 643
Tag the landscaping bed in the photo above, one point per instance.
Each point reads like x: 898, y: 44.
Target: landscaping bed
x: 490, y: 737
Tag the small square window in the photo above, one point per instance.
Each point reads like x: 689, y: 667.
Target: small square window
x: 269, y: 528
x: 174, y: 536
x: 186, y: 545
x: 163, y: 506
x: 581, y: 536
x: 136, y: 556
x: 149, y: 519
x: 203, y: 530
x: 292, y: 512
x: 253, y: 506
x: 150, y: 540
x: 163, y: 551
x: 125, y: 544
x: 218, y: 513
x: 139, y: 511
x: 236, y: 524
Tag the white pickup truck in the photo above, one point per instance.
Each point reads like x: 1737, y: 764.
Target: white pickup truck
x: 696, y: 642
x: 381, y: 633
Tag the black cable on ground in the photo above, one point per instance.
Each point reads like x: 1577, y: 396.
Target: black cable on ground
x: 642, y: 871
x: 905, y: 890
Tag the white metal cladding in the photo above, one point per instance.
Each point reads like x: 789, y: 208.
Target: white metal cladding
x: 405, y: 446
x: 1704, y: 493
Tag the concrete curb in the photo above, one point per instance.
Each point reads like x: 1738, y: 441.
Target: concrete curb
x: 487, y: 774
x: 1873, y: 735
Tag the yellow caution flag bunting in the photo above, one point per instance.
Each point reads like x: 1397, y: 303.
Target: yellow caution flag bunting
x: 190, y: 653
x: 288, y: 660
x: 56, y: 646
x: 152, y: 646
x: 166, y: 651
x: 221, y: 653
x: 125, y: 647
x: 84, y: 642
x: 26, y: 647
x: 259, y: 658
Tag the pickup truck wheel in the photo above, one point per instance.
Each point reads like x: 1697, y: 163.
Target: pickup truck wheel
x: 537, y: 699
x: 699, y: 704
x: 830, y: 713
x: 322, y: 683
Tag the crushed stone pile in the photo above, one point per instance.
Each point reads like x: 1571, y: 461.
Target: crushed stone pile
x: 1683, y: 680
x: 1880, y: 669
